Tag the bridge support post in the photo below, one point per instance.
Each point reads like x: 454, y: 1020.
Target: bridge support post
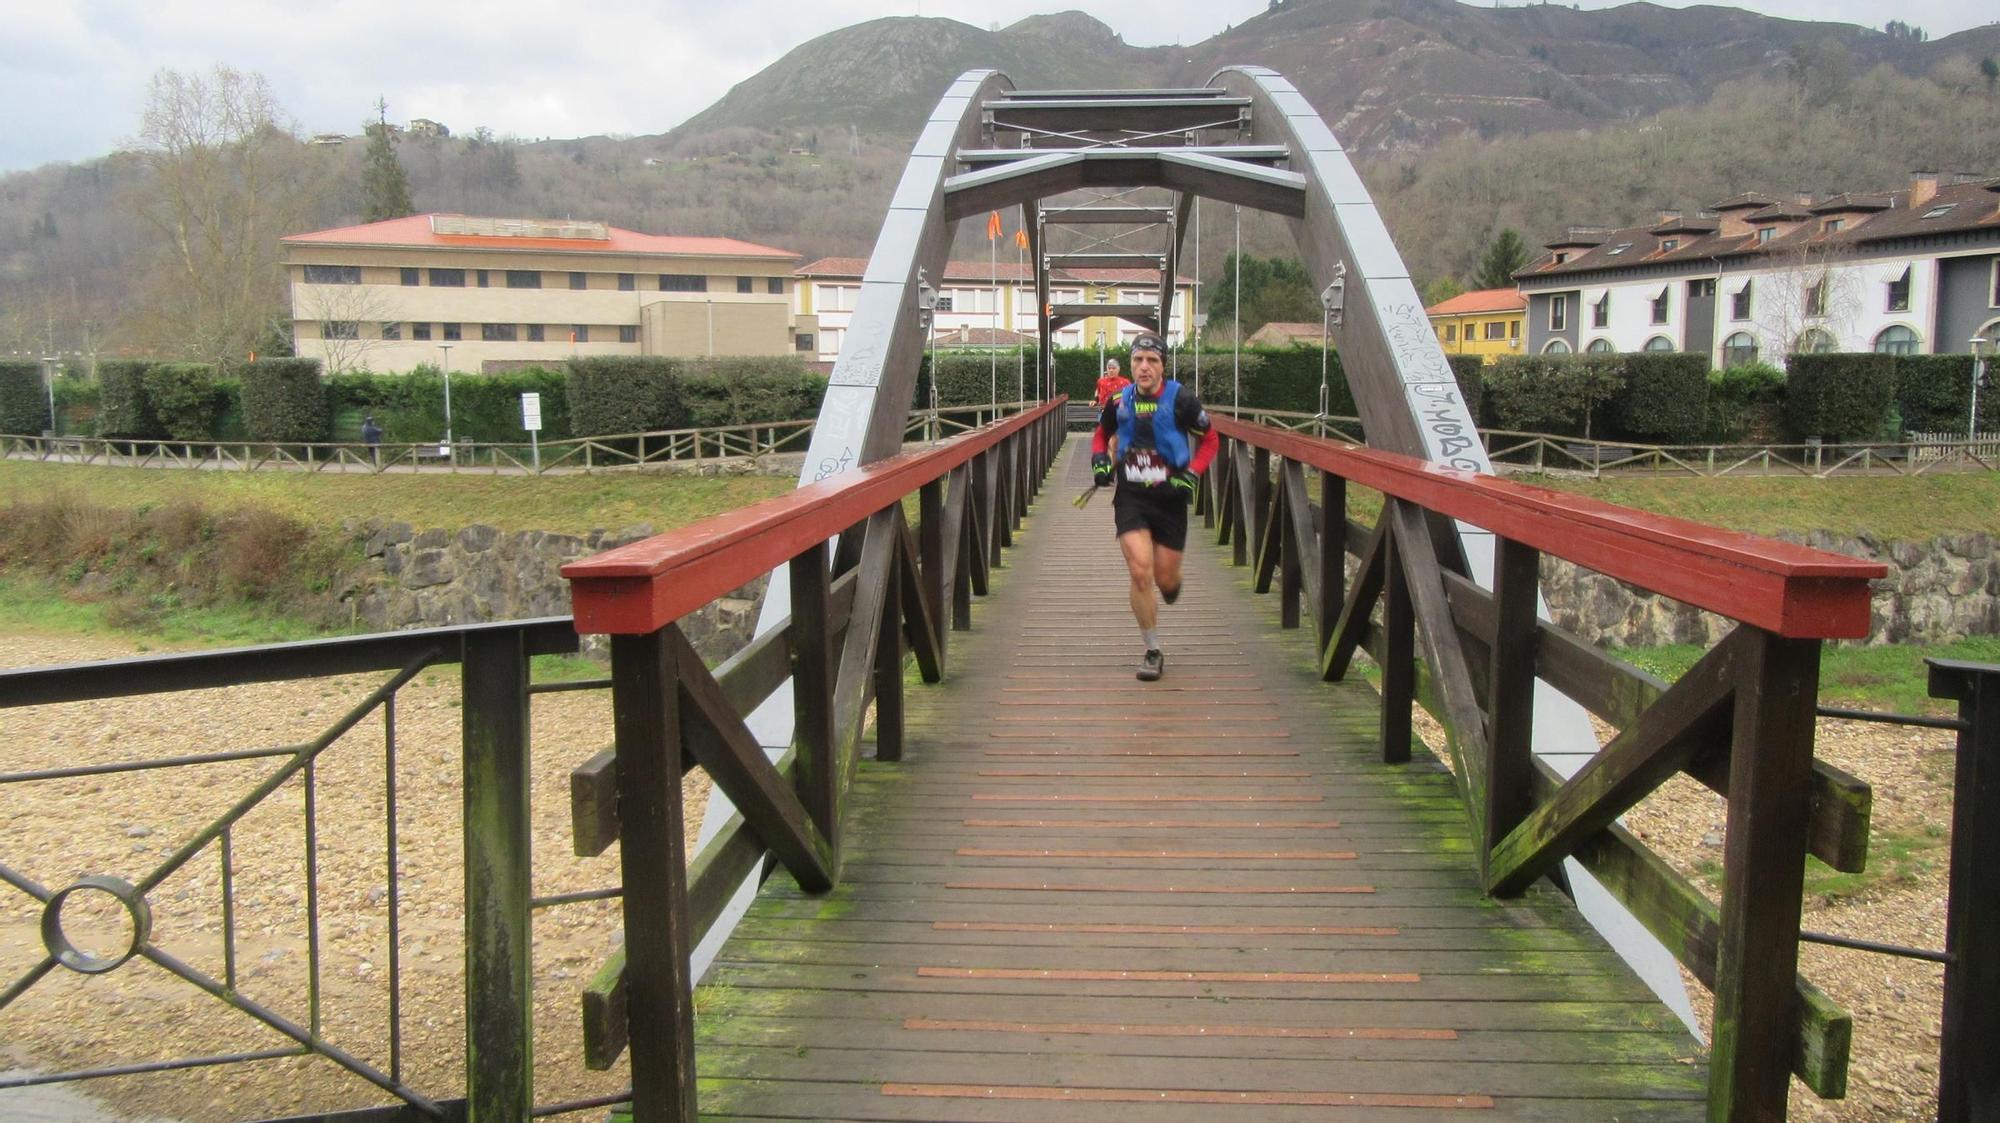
x: 1757, y: 961
x: 645, y: 709
x: 1969, y: 1089
x: 1510, y: 698
x: 1399, y: 651
x: 1332, y: 555
x: 499, y: 978
x: 816, y: 777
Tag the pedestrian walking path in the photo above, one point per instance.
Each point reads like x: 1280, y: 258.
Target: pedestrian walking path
x: 1083, y: 897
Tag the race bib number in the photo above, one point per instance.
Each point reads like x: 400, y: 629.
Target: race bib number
x: 1143, y: 466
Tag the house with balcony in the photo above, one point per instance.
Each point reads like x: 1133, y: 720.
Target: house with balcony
x: 979, y: 296
x: 1484, y: 322
x: 1911, y: 271
x: 488, y: 294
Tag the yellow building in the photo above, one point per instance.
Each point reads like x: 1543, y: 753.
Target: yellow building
x: 1485, y: 322
x: 491, y: 293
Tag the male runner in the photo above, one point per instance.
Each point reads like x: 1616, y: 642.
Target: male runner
x: 1164, y: 444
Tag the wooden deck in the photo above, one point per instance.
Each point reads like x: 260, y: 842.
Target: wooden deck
x: 1082, y: 897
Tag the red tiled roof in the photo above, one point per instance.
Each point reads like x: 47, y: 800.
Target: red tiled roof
x: 852, y: 268
x: 416, y: 230
x: 1286, y: 332
x: 1480, y: 300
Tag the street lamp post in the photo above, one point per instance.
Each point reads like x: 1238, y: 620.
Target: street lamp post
x: 1980, y: 345
x: 49, y: 376
x: 450, y: 449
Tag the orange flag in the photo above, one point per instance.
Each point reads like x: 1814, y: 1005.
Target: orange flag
x: 993, y: 226
x: 1021, y: 237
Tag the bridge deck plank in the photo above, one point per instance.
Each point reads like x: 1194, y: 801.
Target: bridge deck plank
x: 1084, y: 897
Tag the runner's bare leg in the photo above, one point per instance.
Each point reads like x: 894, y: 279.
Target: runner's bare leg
x: 1139, y: 551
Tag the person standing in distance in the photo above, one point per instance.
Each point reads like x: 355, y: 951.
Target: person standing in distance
x: 1165, y: 442
x: 1110, y: 383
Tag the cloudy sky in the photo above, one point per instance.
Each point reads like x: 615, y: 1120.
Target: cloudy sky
x: 73, y: 72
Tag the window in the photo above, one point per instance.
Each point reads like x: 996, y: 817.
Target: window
x: 627, y: 283
x: 333, y: 274
x: 1832, y: 224
x: 412, y: 276
x: 1669, y: 244
x: 1813, y: 341
x: 1513, y: 329
x: 1621, y: 247
x: 1555, y: 347
x: 1896, y: 340
x: 943, y: 304
x: 420, y: 331
x: 524, y: 278
x: 628, y: 333
x: 579, y: 333
x: 1765, y: 234
x: 1600, y: 312
x: 1660, y: 305
x: 340, y: 329
x: 1451, y: 333
x: 804, y: 342
x: 579, y: 281
x: 746, y: 285
x: 1816, y: 298
x: 1738, y: 349
x: 774, y: 285
x: 392, y: 330
x: 1700, y: 287
x: 1559, y: 313
x: 452, y: 332
x: 498, y: 333
x: 1561, y: 257
x: 482, y: 278
x: 1995, y: 294
x: 1940, y: 211
x: 448, y: 278
x: 1899, y: 292
x: 1599, y: 346
x: 1659, y: 343
x: 1739, y: 303
x: 535, y: 333
x: 1495, y: 329
x: 682, y: 282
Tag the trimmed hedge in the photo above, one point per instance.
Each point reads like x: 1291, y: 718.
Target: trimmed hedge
x: 185, y: 399
x: 622, y: 394
x: 1665, y: 397
x: 1934, y: 394
x: 1840, y: 396
x: 1553, y: 393
x: 747, y: 390
x: 124, y: 410
x: 484, y: 407
x: 1470, y: 373
x: 284, y: 401
x: 24, y: 405
x: 1745, y: 402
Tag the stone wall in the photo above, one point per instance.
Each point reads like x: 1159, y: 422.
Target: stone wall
x: 1936, y: 591
x: 420, y: 579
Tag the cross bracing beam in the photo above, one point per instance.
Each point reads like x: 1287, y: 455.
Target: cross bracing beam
x: 1244, y: 153
x: 1200, y: 171
x: 1164, y: 117
x: 1110, y: 216
x: 1104, y: 261
x: 1064, y: 315
x: 1110, y: 95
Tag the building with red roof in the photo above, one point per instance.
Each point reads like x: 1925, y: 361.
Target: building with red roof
x: 491, y: 293
x: 1483, y: 322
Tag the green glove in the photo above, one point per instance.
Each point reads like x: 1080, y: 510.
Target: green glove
x: 1186, y: 483
x: 1100, y: 469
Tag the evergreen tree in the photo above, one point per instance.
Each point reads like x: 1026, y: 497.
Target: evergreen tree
x: 1503, y: 256
x: 385, y: 189
x: 1989, y: 68
x: 1274, y: 289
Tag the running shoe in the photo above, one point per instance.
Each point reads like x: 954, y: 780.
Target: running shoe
x: 1151, y: 665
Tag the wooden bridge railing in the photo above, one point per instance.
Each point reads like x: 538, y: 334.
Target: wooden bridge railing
x: 854, y: 606
x: 1741, y: 721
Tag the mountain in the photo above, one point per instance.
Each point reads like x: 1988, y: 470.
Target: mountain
x: 1388, y: 75
x: 886, y: 75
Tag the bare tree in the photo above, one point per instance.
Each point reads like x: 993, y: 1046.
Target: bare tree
x: 347, y: 314
x: 226, y: 179
x: 1809, y: 299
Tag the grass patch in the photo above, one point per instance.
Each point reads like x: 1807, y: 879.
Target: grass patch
x: 563, y: 668
x: 1894, y: 860
x: 33, y: 606
x: 1879, y: 677
x: 1892, y: 507
x: 560, y: 504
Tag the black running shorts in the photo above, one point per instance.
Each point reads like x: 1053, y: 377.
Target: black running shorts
x: 1162, y: 512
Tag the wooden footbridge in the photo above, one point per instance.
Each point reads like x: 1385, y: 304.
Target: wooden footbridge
x: 997, y: 878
